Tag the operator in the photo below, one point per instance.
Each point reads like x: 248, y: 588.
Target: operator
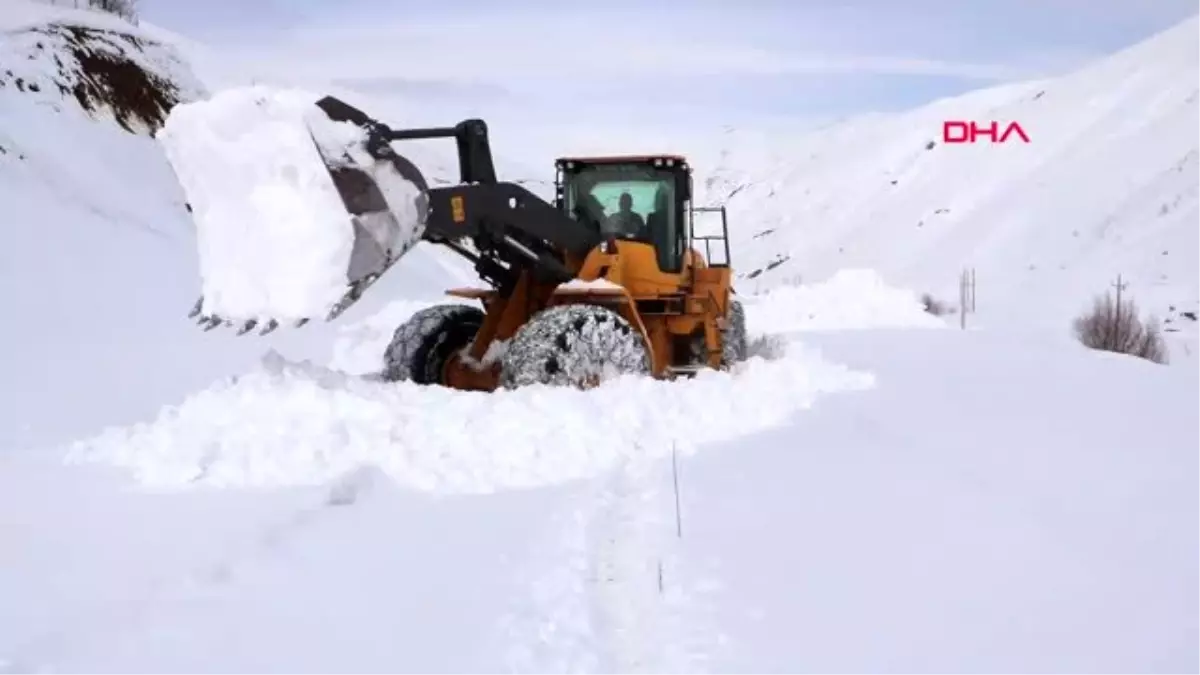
x: 626, y: 221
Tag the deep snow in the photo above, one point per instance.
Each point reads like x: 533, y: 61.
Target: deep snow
x: 880, y: 491
x: 926, y: 510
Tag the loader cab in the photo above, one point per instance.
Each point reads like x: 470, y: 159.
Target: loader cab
x: 638, y: 198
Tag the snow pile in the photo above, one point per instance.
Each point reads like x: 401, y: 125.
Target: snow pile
x: 289, y: 423
x: 275, y: 239
x: 594, y: 285
x: 850, y: 300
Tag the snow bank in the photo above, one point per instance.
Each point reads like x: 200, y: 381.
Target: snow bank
x: 849, y: 300
x: 290, y: 423
x: 275, y: 239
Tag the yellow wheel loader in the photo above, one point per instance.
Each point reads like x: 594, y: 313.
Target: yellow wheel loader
x: 606, y: 280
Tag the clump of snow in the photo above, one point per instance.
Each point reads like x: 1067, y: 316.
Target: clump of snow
x: 849, y: 300
x: 495, y: 351
x: 296, y: 423
x: 275, y: 240
x: 592, y: 285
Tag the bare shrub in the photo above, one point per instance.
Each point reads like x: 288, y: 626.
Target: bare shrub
x: 934, y: 306
x: 1114, y: 326
x: 126, y: 9
x: 107, y: 78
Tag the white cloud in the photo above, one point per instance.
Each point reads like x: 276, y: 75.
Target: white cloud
x: 578, y: 69
x: 519, y: 54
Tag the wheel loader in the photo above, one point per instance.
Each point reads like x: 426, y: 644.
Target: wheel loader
x: 605, y: 280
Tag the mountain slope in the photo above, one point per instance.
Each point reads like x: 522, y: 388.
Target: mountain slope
x: 98, y: 263
x: 1107, y: 186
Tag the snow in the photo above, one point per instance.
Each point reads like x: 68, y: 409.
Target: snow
x: 275, y: 240
x: 294, y: 424
x: 590, y: 285
x: 850, y: 299
x: 898, y: 483
x: 1106, y: 187
x: 22, y: 15
x: 875, y: 490
x: 98, y: 257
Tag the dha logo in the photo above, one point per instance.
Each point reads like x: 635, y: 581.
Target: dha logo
x: 957, y: 131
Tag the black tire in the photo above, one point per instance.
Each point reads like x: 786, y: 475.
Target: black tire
x: 575, y: 345
x: 734, y: 344
x: 421, y: 345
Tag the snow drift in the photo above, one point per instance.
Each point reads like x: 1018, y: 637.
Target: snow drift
x: 288, y: 423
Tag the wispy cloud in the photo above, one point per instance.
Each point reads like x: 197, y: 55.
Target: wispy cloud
x: 542, y: 62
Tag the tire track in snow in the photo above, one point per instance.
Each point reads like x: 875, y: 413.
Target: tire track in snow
x: 612, y: 596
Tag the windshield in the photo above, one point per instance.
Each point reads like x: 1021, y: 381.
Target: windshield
x: 629, y: 202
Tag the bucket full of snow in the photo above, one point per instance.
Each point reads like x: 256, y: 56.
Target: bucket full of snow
x: 295, y: 212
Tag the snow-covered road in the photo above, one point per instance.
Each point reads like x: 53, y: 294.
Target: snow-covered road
x: 954, y: 498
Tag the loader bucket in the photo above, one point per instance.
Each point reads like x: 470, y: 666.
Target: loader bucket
x: 371, y: 202
x: 381, y: 236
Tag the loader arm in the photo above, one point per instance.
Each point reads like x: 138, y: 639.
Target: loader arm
x: 510, y: 228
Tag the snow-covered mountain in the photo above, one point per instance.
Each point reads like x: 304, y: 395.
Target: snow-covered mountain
x: 871, y: 491
x: 97, y: 252
x: 1107, y: 186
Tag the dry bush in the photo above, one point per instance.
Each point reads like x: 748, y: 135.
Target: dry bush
x: 934, y: 306
x: 107, y: 78
x: 1115, y: 327
x: 126, y: 9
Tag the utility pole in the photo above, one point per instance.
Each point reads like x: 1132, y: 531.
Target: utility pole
x: 963, y: 299
x: 1118, y: 319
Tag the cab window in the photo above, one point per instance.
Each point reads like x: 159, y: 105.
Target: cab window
x: 629, y: 202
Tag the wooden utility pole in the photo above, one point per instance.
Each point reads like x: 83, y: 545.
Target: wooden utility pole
x: 972, y: 290
x: 962, y: 300
x: 1118, y: 319
x: 1120, y: 286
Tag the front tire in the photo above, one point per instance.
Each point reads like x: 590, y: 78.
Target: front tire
x: 577, y: 345
x: 421, y: 345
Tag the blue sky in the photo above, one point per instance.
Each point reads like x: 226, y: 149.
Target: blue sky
x: 711, y: 62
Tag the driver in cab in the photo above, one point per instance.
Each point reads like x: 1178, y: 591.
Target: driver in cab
x: 626, y: 221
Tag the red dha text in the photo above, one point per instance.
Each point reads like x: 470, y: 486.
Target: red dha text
x: 957, y: 131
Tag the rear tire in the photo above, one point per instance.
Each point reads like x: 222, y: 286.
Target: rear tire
x: 734, y: 344
x: 575, y: 345
x: 421, y: 345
